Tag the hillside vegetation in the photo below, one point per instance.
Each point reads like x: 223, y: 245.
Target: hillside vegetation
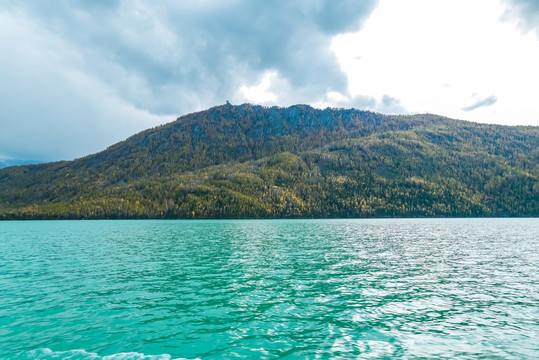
x: 255, y: 162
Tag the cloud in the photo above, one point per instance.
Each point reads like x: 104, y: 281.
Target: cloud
x: 160, y: 59
x: 390, y: 105
x: 525, y: 12
x: 50, y: 110
x: 162, y: 56
x: 489, y: 101
x: 385, y: 105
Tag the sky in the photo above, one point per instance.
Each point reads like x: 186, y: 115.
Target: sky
x: 79, y: 76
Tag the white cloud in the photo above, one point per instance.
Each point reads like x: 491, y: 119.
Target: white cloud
x: 261, y: 93
x: 440, y: 57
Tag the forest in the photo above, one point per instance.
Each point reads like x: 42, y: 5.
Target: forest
x: 250, y: 161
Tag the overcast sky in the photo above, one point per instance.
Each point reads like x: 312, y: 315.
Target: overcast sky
x: 78, y: 76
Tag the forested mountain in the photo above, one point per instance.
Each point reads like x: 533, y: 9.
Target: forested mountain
x: 256, y: 162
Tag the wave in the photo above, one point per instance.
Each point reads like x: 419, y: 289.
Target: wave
x: 81, y: 354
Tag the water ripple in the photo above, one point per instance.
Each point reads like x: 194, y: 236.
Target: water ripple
x: 439, y: 288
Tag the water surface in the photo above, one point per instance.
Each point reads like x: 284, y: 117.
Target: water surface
x: 418, y: 288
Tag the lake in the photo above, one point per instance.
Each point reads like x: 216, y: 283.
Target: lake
x: 266, y: 289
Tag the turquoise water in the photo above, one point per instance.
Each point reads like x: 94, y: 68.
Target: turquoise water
x: 436, y: 288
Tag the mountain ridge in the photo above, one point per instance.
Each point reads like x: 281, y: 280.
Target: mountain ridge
x: 18, y: 162
x: 289, y: 162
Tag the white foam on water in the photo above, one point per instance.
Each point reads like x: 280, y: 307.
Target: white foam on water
x: 81, y: 354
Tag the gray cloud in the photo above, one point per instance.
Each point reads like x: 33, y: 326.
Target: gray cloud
x: 525, y: 12
x: 385, y: 105
x: 209, y: 48
x: 390, y: 105
x: 159, y: 58
x: 52, y: 110
x: 489, y: 101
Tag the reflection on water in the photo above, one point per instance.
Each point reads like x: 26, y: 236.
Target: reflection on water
x: 266, y: 289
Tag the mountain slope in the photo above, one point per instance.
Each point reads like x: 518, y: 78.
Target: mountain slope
x: 249, y: 161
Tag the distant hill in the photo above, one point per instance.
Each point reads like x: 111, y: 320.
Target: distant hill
x: 257, y: 162
x: 13, y: 162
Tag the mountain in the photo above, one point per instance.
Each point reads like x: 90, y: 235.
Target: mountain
x: 257, y: 162
x: 14, y: 162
